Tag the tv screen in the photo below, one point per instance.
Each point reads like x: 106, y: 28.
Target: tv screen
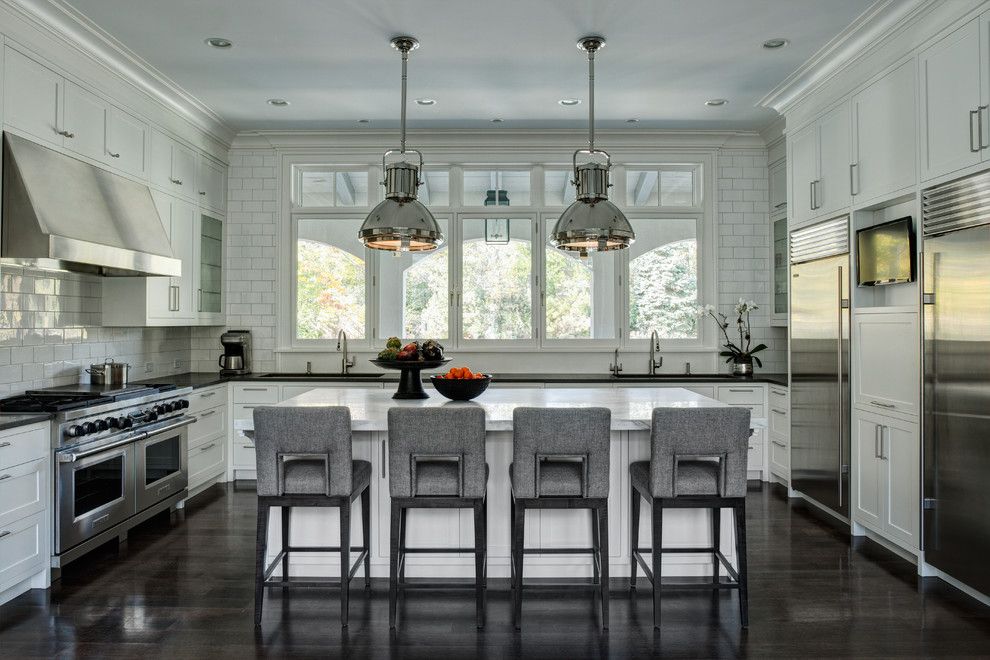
x: 885, y: 253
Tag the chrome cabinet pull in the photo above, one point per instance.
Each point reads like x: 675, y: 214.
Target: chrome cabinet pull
x: 65, y: 133
x: 208, y: 413
x: 177, y: 182
x: 778, y: 411
x: 853, y: 170
x: 249, y: 446
x: 971, y: 113
x: 202, y: 192
x: 4, y: 444
x: 4, y: 476
x: 113, y: 155
x: 383, y: 459
x: 743, y: 389
x: 883, y: 405
x: 4, y: 533
x: 255, y: 389
x: 206, y: 394
x: 208, y: 447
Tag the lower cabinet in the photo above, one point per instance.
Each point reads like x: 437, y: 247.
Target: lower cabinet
x: 779, y: 432
x: 887, y: 477
x: 207, y: 453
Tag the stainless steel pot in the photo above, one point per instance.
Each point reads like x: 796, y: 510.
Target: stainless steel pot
x: 110, y: 374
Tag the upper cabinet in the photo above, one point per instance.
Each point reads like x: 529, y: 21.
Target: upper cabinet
x: 955, y: 124
x: 32, y: 99
x: 84, y: 119
x: 884, y: 131
x: 212, y: 178
x: 128, y: 139
x: 819, y: 155
x: 173, y: 166
x: 778, y: 186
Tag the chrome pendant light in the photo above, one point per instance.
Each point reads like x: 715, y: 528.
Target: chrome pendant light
x: 401, y: 223
x: 592, y: 222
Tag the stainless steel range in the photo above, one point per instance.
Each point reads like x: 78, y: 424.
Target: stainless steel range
x: 120, y: 458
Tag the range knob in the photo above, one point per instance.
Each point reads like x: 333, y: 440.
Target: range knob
x: 75, y: 431
x: 167, y: 407
x: 160, y: 409
x: 112, y: 422
x: 88, y: 427
x: 125, y: 422
x: 182, y: 403
x: 151, y: 416
x: 101, y: 425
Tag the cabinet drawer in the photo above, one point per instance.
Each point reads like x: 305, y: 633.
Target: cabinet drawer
x: 778, y: 397
x: 23, y: 549
x: 755, y: 412
x: 750, y: 395
x: 200, y: 400
x: 256, y: 394
x: 242, y: 411
x: 23, y: 446
x: 779, y: 421
x: 23, y: 490
x: 754, y: 459
x: 210, y: 424
x: 206, y: 461
x: 779, y: 454
x: 243, y: 456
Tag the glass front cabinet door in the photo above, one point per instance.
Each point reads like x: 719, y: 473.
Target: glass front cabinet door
x: 210, y: 303
x: 778, y: 315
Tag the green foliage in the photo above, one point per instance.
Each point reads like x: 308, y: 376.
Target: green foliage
x: 663, y: 287
x: 569, y: 287
x: 497, y: 298
x: 329, y: 291
x: 425, y: 300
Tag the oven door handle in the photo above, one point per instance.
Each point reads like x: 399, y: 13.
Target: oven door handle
x: 73, y: 456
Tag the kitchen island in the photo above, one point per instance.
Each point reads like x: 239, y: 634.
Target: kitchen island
x: 631, y: 415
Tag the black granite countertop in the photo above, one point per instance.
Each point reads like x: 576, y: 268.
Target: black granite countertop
x: 13, y: 420
x: 206, y: 379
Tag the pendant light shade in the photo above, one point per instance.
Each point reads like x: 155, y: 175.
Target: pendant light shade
x: 401, y: 223
x: 592, y: 222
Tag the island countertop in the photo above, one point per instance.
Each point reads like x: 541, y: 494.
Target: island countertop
x: 632, y: 408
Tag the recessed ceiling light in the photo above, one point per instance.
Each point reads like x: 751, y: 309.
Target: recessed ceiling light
x: 774, y: 44
x: 426, y: 101
x: 364, y: 121
x: 569, y: 102
x: 632, y: 121
x: 278, y: 103
x: 716, y: 102
x: 219, y: 42
x: 497, y: 120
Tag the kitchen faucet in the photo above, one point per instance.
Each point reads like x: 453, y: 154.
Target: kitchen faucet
x: 654, y: 349
x: 616, y: 367
x: 344, y: 361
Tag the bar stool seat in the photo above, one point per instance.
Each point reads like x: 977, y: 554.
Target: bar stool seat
x: 306, y: 476
x: 693, y: 477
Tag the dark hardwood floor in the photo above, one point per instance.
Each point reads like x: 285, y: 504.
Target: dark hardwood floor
x: 185, y: 590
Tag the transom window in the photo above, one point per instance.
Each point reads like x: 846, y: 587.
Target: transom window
x: 496, y: 281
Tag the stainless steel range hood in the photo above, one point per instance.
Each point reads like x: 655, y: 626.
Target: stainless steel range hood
x: 60, y: 213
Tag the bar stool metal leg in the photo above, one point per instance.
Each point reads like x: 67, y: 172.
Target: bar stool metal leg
x: 479, y: 562
x: 596, y: 577
x: 345, y: 560
x: 716, y: 543
x: 518, y: 549
x: 259, y: 562
x: 633, y: 535
x: 393, y: 564
x: 403, y: 526
x: 366, y: 534
x: 739, y: 510
x: 601, y: 525
x: 657, y: 553
x: 286, y: 512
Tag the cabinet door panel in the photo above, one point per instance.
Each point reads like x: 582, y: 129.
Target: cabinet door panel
x: 803, y: 170
x: 834, y: 148
x: 86, y: 122
x: 160, y: 166
x: 31, y: 95
x: 158, y: 287
x: 950, y: 90
x: 183, y: 239
x: 866, y: 483
x: 127, y: 143
x: 211, y: 183
x: 184, y: 170
x: 887, y: 361
x: 885, y: 124
x: 903, y: 508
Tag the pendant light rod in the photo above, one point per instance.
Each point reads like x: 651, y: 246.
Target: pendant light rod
x: 404, y: 45
x: 591, y: 44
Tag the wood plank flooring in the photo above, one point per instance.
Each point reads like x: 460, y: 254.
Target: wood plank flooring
x: 184, y: 589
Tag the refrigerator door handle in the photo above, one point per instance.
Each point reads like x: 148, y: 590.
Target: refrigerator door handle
x: 839, y: 382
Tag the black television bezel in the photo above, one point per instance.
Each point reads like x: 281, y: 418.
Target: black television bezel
x: 911, y: 247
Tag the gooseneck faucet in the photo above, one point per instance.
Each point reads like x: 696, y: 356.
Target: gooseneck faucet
x: 615, y: 367
x: 345, y: 363
x: 654, y: 349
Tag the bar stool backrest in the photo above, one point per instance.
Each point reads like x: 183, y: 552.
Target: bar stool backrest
x: 435, y: 435
x: 317, y: 433
x: 560, y: 434
x: 687, y: 433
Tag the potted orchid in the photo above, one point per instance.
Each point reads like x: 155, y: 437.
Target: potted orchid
x: 741, y: 354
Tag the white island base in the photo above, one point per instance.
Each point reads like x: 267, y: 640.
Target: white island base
x: 631, y: 411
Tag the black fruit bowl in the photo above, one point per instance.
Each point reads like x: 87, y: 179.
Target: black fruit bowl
x: 460, y: 389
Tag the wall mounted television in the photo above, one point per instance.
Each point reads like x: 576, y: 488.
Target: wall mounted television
x: 885, y: 253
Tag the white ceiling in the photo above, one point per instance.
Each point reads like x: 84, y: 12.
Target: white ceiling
x: 511, y: 59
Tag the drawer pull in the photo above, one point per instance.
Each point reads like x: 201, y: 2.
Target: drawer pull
x: 249, y: 446
x: 882, y: 404
x: 208, y: 413
x: 778, y: 443
x: 4, y: 444
x: 4, y: 533
x: 742, y: 389
x: 4, y: 476
x: 255, y: 389
x: 206, y: 394
x: 208, y: 447
x: 752, y: 446
x: 778, y: 411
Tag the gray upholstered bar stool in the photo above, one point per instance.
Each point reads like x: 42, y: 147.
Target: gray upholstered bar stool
x: 305, y: 460
x: 436, y: 460
x: 560, y: 460
x: 698, y: 460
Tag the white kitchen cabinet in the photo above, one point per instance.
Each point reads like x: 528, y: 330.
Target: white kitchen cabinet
x: 212, y: 179
x: 85, y: 122
x: 886, y: 354
x: 952, y: 107
x: 818, y: 160
x: 778, y: 432
x: 208, y: 271
x: 887, y: 477
x: 207, y: 449
x: 777, y: 174
x: 32, y: 97
x: 173, y: 166
x: 779, y: 264
x: 159, y: 301
x: 802, y: 164
x: 885, y: 134
x: 127, y: 143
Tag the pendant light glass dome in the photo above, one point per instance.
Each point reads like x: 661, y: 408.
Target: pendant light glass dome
x: 592, y: 222
x: 401, y: 223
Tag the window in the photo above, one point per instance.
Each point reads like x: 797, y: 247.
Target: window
x: 496, y: 279
x: 435, y: 188
x: 663, y: 279
x: 496, y: 188
x: 669, y: 186
x: 330, y: 282
x: 557, y: 188
x: 579, y: 293
x: 321, y: 187
x: 412, y: 293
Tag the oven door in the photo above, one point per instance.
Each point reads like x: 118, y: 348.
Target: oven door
x: 162, y: 463
x: 94, y: 493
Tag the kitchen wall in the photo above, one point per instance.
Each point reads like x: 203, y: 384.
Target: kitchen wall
x: 743, y: 246
x: 50, y: 333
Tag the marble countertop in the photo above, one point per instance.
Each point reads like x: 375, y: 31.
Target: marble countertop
x: 632, y: 408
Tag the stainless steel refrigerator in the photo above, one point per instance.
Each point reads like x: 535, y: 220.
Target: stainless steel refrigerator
x: 820, y: 363
x: 956, y: 296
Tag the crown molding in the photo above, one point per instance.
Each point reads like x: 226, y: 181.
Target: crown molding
x: 499, y: 140
x: 70, y: 26
x: 881, y: 20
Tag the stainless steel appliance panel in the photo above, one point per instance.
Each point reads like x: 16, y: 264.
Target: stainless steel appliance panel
x: 820, y: 381
x: 957, y: 404
x: 162, y: 466
x: 93, y: 493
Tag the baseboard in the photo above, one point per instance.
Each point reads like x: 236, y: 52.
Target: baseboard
x: 928, y: 570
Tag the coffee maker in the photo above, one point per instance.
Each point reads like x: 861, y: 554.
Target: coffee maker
x: 236, y: 358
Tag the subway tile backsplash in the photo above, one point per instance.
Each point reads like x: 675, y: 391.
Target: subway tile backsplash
x: 50, y: 333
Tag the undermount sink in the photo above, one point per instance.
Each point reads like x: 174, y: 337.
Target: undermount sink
x: 316, y: 376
